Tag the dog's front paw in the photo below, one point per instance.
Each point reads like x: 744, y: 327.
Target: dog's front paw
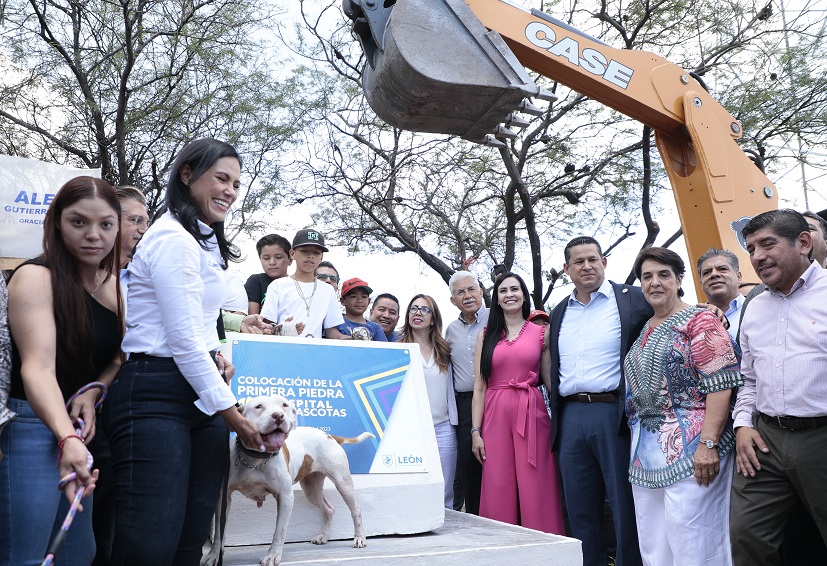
x: 321, y: 538
x: 271, y: 559
x: 359, y: 542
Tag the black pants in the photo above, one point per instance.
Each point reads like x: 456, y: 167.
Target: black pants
x: 469, y: 470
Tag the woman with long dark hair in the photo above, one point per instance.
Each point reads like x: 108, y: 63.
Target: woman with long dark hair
x: 170, y: 407
x: 66, y: 329
x: 511, y: 430
x: 423, y: 326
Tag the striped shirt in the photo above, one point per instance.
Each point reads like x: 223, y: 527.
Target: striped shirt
x: 784, y: 343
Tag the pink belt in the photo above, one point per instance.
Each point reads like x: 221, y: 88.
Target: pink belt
x: 525, y: 411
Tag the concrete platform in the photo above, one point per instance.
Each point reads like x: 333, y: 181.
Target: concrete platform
x: 463, y: 539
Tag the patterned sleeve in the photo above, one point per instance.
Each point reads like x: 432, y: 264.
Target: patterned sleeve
x: 713, y: 355
x: 5, y: 356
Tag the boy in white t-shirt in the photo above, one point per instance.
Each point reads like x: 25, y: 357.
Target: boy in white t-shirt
x: 303, y: 297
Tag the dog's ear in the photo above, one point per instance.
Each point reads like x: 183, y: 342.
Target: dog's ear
x: 294, y: 420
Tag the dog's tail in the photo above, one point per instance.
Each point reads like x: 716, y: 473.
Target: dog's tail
x: 357, y: 440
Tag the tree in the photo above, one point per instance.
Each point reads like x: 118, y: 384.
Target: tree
x: 578, y: 168
x: 123, y: 85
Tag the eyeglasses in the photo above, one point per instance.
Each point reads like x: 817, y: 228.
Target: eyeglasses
x: 137, y: 220
x: 415, y: 309
x: 325, y: 277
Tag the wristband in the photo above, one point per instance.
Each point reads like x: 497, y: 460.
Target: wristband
x: 62, y: 441
x: 475, y: 429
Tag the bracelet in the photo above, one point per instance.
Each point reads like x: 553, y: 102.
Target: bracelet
x: 62, y: 441
x: 475, y: 429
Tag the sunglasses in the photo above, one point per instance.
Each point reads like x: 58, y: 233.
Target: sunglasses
x: 419, y: 310
x: 325, y: 277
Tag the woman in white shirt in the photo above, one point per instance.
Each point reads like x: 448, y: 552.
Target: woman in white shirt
x: 169, y: 408
x: 423, y: 325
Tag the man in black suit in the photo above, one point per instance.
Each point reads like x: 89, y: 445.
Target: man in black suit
x: 591, y: 332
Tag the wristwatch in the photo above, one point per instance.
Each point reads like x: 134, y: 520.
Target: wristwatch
x: 708, y: 443
x: 475, y: 429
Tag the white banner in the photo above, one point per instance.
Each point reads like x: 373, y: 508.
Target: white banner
x: 27, y: 188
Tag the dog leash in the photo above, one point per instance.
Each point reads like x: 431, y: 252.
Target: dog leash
x: 60, y: 536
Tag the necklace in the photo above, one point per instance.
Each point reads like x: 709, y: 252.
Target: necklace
x: 306, y: 300
x: 511, y: 333
x: 97, y: 285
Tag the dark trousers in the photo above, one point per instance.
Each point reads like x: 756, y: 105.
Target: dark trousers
x: 594, y: 465
x: 103, y: 513
x: 469, y: 469
x: 792, y: 471
x: 168, y: 459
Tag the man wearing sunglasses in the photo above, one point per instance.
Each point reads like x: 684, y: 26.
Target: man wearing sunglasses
x: 326, y: 273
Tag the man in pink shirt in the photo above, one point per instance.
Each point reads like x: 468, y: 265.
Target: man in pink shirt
x: 781, y: 411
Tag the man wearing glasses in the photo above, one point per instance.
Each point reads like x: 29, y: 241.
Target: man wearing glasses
x: 134, y: 220
x: 326, y: 273
x: 461, y: 335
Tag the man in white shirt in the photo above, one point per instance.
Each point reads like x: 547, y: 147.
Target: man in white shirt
x: 720, y: 275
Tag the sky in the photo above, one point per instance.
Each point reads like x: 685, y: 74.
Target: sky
x: 405, y: 275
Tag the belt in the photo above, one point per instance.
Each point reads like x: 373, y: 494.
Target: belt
x: 464, y: 394
x: 605, y: 397
x: 135, y: 356
x: 526, y: 425
x: 794, y: 423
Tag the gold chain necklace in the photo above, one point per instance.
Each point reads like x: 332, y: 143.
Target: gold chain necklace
x: 306, y: 300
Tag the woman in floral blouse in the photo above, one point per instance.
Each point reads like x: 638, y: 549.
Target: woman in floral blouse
x: 680, y: 377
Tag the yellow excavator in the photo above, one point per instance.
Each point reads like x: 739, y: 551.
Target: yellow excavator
x: 459, y: 67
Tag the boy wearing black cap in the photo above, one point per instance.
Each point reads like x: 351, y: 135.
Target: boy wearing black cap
x: 301, y: 296
x: 356, y: 298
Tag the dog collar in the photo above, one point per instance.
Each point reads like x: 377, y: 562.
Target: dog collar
x: 266, y: 456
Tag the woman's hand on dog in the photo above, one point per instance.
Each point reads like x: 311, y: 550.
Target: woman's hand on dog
x: 244, y: 428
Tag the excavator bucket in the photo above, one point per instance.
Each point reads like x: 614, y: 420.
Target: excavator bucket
x: 434, y: 67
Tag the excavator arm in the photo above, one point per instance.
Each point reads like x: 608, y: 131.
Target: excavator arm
x: 458, y: 67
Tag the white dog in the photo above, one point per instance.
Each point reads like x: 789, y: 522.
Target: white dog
x: 294, y: 454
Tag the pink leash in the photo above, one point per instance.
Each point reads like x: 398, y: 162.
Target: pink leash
x: 60, y: 537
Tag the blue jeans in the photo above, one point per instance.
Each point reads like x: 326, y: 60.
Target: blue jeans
x: 31, y: 507
x: 168, y: 460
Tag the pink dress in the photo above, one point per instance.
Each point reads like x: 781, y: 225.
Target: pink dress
x: 519, y: 477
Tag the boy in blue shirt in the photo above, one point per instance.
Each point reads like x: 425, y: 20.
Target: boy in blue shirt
x: 356, y: 298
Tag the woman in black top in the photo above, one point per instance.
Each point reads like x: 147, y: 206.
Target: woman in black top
x: 66, y: 328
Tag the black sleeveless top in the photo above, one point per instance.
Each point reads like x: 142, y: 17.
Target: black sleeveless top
x: 106, y: 340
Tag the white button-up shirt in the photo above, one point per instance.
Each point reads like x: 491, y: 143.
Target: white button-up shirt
x: 176, y: 289
x: 589, y: 344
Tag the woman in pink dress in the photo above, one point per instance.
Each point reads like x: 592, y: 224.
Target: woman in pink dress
x: 511, y: 434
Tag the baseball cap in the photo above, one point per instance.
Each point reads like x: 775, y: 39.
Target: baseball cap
x: 538, y: 315
x: 354, y: 283
x: 309, y: 237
